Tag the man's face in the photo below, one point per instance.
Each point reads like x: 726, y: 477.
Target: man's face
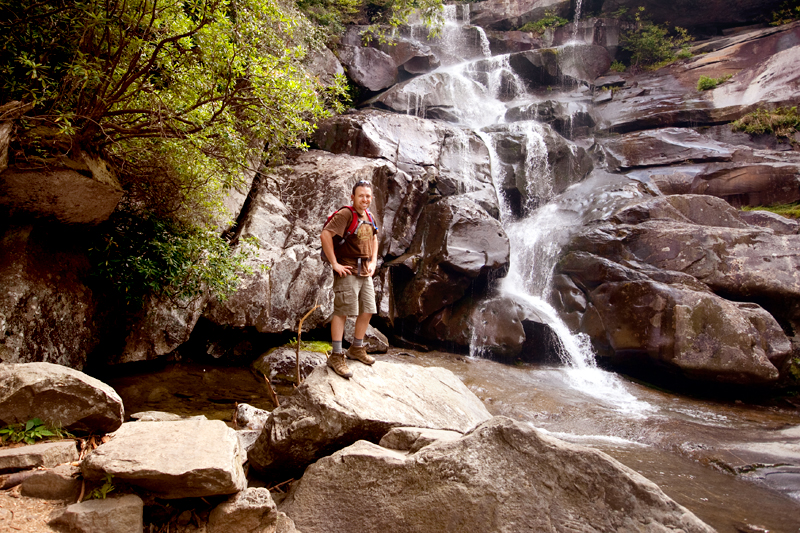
x: 362, y: 198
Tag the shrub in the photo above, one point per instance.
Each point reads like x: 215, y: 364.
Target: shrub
x: 140, y: 254
x: 786, y: 13
x: 787, y: 210
x: 31, y: 431
x: 616, y: 66
x: 782, y: 122
x: 651, y: 45
x: 550, y: 20
x: 705, y: 83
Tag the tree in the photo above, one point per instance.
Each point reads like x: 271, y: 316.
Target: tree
x: 177, y: 95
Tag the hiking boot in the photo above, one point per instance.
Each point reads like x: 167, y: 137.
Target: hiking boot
x: 337, y: 362
x: 359, y: 353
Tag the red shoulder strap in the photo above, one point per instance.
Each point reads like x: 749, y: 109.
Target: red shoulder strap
x: 353, y: 221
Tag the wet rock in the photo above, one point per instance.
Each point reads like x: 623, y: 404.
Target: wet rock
x: 162, y: 416
x: 411, y: 56
x: 701, y: 335
x: 603, y: 32
x: 249, y: 510
x: 160, y: 328
x: 50, y: 317
x: 503, y: 475
x: 280, y: 364
x: 584, y: 62
x: 663, y: 147
x: 565, y: 118
x: 536, y: 163
x: 189, y: 458
x: 462, y: 245
x: 374, y: 340
x: 59, y: 483
x: 45, y: 454
x: 328, y: 412
x: 507, y: 15
x: 79, y: 192
x: 111, y: 515
x: 58, y: 395
x: 750, y: 185
x: 509, y: 42
x: 368, y: 67
x: 323, y: 64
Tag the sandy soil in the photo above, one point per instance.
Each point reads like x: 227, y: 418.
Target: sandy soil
x: 26, y: 515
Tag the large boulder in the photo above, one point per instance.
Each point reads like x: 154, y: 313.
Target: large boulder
x: 47, y: 311
x: 765, y: 70
x: 458, y: 245
x: 182, y: 459
x: 286, y: 222
x: 503, y: 476
x: 327, y: 412
x: 78, y: 192
x: 368, y: 67
x: 58, y: 395
x: 512, y: 14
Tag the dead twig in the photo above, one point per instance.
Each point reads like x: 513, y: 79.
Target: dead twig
x: 272, y: 396
x: 83, y: 490
x: 279, y: 485
x: 299, y: 331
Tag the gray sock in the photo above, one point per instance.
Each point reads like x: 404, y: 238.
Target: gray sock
x: 358, y: 342
x: 337, y: 346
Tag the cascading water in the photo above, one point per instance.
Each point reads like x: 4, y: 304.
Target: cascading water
x: 476, y: 94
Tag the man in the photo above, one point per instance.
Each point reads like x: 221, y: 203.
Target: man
x: 353, y: 262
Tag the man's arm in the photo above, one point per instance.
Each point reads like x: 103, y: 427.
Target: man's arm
x: 373, y: 261
x: 327, y: 246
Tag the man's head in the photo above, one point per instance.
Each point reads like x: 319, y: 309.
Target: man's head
x: 362, y: 196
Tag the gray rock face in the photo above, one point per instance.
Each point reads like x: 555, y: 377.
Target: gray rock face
x: 504, y: 475
x: 247, y: 511
x: 323, y: 64
x: 280, y: 364
x: 111, y: 515
x: 161, y: 327
x: 328, y: 412
x: 458, y: 243
x: 414, y: 439
x: 688, y: 14
x: 188, y: 458
x: 512, y: 14
x: 58, y: 395
x: 82, y: 192
x: 46, y: 454
x: 368, y: 67
x: 48, y: 317
x: 59, y: 483
x: 650, y: 289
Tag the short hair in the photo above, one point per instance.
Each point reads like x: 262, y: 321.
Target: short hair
x: 361, y: 183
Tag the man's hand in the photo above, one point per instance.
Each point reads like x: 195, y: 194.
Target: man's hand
x: 370, y: 267
x: 341, y: 270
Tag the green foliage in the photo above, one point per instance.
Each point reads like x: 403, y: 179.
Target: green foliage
x: 178, y: 93
x: 394, y: 13
x: 787, y: 210
x: 706, y: 83
x: 311, y: 346
x: 141, y: 254
x: 332, y: 15
x: 783, y: 122
x: 31, y: 431
x: 100, y: 493
x: 651, y: 45
x: 788, y: 11
x: 617, y: 66
x: 550, y: 20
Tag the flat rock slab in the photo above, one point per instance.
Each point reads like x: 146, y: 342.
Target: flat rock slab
x: 505, y: 476
x: 46, y: 454
x: 112, y: 515
x: 181, y: 459
x: 328, y: 412
x: 58, y: 395
x: 59, y: 483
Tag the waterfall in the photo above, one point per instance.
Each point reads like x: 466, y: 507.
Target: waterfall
x: 475, y: 95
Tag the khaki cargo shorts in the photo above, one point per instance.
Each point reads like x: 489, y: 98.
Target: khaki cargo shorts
x: 353, y: 295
